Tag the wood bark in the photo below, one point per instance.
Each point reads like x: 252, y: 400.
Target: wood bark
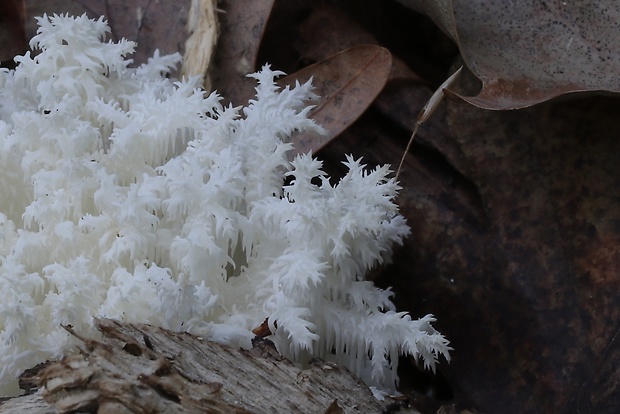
x: 137, y: 368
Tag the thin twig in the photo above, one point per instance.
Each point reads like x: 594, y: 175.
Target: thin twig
x: 427, y: 111
x: 402, y: 160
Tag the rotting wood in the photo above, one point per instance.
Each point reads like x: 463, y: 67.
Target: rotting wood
x: 138, y: 368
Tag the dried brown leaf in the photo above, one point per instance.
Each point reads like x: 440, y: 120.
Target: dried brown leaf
x: 334, y: 408
x: 515, y: 251
x: 347, y: 83
x: 523, y: 276
x: 528, y: 52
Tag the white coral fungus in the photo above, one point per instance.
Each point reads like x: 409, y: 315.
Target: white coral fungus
x: 127, y: 195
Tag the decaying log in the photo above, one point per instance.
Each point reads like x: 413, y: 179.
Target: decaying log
x: 138, y: 368
x: 30, y: 404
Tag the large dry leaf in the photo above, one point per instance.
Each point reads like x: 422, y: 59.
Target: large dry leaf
x: 542, y: 270
x: 347, y: 83
x: 516, y: 252
x: 530, y: 51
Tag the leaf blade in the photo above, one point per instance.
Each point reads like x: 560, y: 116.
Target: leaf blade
x: 347, y: 82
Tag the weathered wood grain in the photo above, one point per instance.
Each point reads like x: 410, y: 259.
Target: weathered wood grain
x: 138, y: 368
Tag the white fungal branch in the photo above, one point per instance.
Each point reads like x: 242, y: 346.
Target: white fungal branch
x: 131, y: 196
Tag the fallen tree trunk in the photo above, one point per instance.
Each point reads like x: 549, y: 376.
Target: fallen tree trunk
x: 138, y: 368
